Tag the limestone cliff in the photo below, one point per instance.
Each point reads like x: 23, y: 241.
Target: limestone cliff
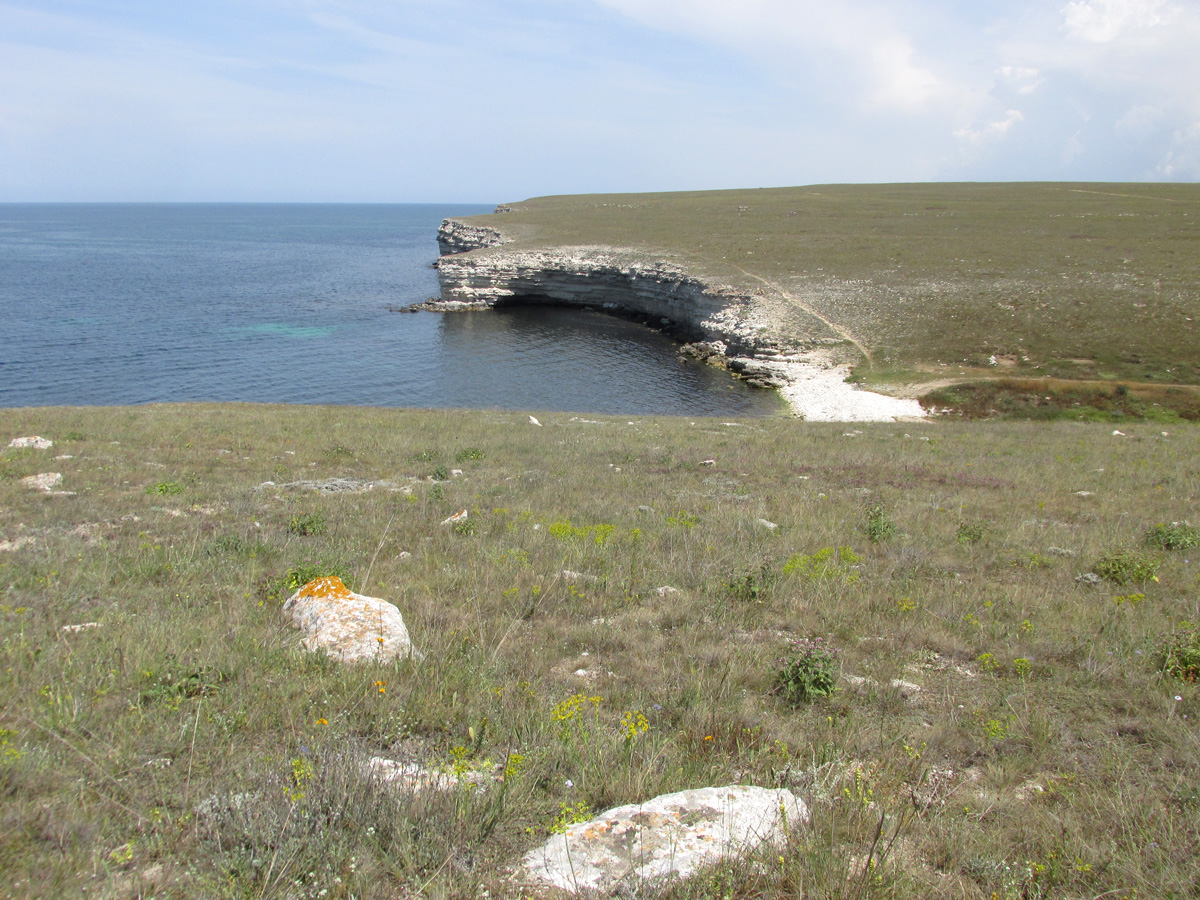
x: 459, y: 237
x: 482, y: 267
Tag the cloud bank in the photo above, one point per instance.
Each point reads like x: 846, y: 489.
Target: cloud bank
x: 410, y: 100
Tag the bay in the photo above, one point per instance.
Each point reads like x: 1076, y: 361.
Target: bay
x: 115, y: 304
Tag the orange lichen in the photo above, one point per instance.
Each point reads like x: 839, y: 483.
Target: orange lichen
x: 327, y: 588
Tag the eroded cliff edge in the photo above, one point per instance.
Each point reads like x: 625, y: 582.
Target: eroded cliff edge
x: 483, y: 267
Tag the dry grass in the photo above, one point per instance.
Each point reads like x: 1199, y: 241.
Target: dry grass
x: 187, y: 746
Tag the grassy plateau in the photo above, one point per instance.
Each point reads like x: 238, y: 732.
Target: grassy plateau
x: 971, y: 647
x: 1091, y: 281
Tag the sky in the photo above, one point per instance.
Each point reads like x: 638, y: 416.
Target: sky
x: 499, y: 100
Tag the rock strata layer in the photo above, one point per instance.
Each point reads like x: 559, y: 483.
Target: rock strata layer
x: 482, y: 268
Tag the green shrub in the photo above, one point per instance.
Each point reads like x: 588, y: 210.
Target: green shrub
x: 1179, y: 655
x: 879, y: 527
x: 165, y: 489
x: 1176, y: 536
x: 971, y: 532
x: 808, y: 672
x: 751, y: 585
x: 427, y: 456
x: 470, y: 453
x: 441, y: 473
x: 307, y: 524
x: 1127, y: 566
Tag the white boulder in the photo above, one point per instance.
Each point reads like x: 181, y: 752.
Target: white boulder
x: 672, y: 835
x: 346, y: 625
x: 34, y: 442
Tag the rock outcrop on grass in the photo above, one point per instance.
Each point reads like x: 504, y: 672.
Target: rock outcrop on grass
x: 669, y: 836
x: 346, y: 625
x: 34, y: 442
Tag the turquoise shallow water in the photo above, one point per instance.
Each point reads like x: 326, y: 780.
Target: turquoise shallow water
x: 124, y: 304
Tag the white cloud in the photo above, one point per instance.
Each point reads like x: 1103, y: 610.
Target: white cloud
x: 1182, y: 159
x: 991, y: 131
x: 1023, y: 79
x: 1101, y: 21
x: 866, y: 52
x: 1072, y: 149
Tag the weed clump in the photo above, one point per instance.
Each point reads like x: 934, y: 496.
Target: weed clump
x: 751, y: 585
x: 826, y: 564
x: 880, y: 526
x: 165, y: 489
x: 1127, y: 566
x: 307, y: 525
x: 809, y: 671
x: 971, y: 532
x: 1176, y: 536
x: 1179, y: 655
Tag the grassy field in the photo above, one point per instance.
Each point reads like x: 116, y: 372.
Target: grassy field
x: 186, y: 745
x: 1071, y: 280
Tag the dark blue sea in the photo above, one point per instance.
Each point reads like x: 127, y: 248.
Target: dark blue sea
x: 143, y: 303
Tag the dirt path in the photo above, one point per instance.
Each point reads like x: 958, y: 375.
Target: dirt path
x: 804, y: 307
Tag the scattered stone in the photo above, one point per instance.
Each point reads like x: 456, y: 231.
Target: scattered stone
x: 77, y: 628
x: 346, y: 625
x: 770, y: 526
x: 17, y: 543
x: 64, y: 456
x: 456, y: 473
x: 416, y: 778
x: 1027, y: 791
x: 1089, y: 578
x: 460, y: 516
x: 1061, y: 551
x: 403, y: 554
x: 1118, y: 434
x: 669, y: 836
x: 46, y: 482
x: 568, y: 575
x: 340, y: 486
x: 35, y: 443
x: 534, y: 421
x: 666, y: 590
x: 708, y: 462
x: 1084, y: 494
x: 648, y: 510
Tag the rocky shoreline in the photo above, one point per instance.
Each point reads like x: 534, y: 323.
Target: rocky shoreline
x: 482, y: 267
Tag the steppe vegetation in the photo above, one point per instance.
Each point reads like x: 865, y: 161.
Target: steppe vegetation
x: 1092, y: 281
x: 971, y: 647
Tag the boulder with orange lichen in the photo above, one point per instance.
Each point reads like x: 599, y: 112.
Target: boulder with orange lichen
x: 348, y: 626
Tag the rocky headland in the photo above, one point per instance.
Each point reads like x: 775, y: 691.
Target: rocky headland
x: 483, y: 267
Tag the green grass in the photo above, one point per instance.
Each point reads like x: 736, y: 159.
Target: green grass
x: 1055, y: 399
x: 1070, y: 280
x: 189, y: 746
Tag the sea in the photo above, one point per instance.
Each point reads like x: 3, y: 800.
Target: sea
x: 118, y: 304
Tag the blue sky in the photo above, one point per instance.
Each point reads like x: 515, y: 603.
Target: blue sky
x: 493, y: 100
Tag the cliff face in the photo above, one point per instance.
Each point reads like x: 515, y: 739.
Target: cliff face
x: 459, y: 237
x: 477, y: 271
x: 595, y: 277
